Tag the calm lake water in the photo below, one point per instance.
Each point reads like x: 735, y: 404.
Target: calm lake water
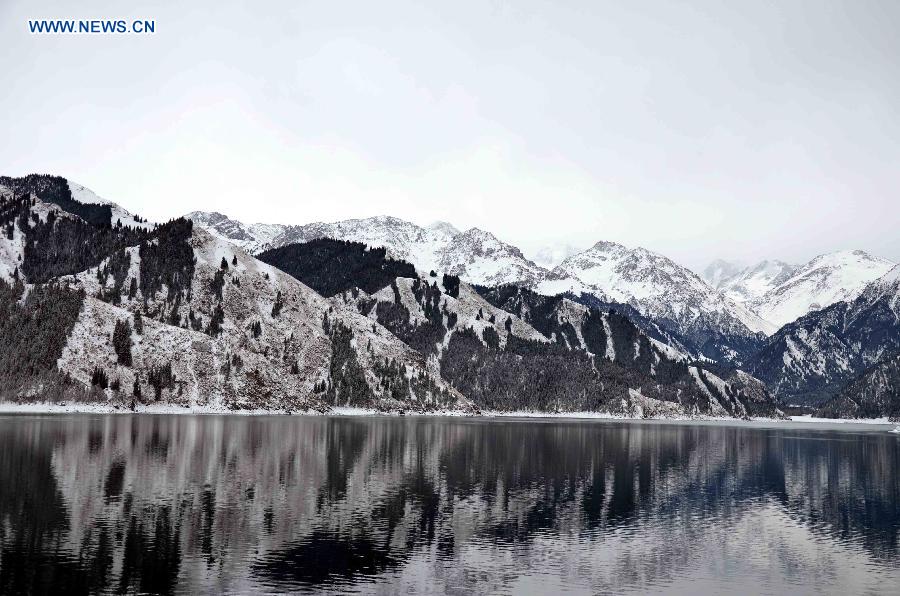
x: 214, y: 504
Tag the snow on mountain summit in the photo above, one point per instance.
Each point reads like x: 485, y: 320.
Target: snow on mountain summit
x: 672, y: 296
x: 480, y: 257
x: 720, y: 271
x: 825, y: 280
x: 653, y: 284
x: 475, y: 255
x: 656, y: 285
x: 442, y: 226
x: 752, y: 282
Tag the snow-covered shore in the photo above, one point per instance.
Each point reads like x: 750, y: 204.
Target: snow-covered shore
x: 95, y: 408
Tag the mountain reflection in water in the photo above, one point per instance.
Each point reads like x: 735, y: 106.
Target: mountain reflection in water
x: 200, y: 504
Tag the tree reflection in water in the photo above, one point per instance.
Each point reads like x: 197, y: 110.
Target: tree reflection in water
x: 168, y: 504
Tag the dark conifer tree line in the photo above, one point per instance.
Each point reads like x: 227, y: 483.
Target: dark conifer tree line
x: 33, y: 333
x: 55, y: 189
x: 334, y: 266
x: 121, y: 340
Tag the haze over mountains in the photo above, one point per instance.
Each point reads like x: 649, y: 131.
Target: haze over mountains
x: 380, y: 312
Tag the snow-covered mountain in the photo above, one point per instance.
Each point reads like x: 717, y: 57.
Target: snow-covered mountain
x: 715, y: 326
x: 823, y: 281
x: 664, y: 291
x: 748, y: 283
x: 811, y: 359
x: 120, y: 215
x: 720, y: 271
x: 173, y: 315
x: 475, y: 255
x: 129, y: 315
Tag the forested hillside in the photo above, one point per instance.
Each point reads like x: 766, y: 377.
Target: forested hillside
x: 129, y: 315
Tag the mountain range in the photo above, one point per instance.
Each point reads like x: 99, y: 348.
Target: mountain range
x: 95, y: 310
x: 781, y: 293
x: 732, y: 314
x: 698, y: 319
x: 205, y: 311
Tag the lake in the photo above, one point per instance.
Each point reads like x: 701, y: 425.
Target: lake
x: 217, y: 504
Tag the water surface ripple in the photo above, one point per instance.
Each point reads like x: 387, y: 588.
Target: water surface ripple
x: 217, y: 504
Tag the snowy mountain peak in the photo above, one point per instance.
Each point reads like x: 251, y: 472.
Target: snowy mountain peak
x: 657, y: 287
x: 444, y: 227
x: 752, y: 282
x: 480, y: 257
x: 475, y: 255
x: 825, y: 280
x: 719, y: 271
x: 606, y: 246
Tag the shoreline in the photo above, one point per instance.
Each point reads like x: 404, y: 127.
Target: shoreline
x: 10, y: 408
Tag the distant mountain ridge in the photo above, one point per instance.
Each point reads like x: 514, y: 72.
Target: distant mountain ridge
x: 745, y: 284
x: 98, y: 304
x: 812, y: 359
x: 781, y: 293
x: 833, y: 277
x: 710, y: 324
x: 474, y: 254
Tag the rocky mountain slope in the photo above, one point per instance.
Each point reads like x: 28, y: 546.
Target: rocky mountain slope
x: 812, y: 359
x: 174, y: 315
x: 695, y: 316
x: 97, y: 310
x: 671, y: 295
x: 511, y: 348
x: 825, y: 280
x: 873, y: 394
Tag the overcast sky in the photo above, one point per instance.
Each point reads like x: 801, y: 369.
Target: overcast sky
x: 699, y: 130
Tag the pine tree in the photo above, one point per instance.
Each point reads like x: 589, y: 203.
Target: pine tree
x: 121, y: 340
x: 234, y: 260
x: 279, y: 303
x: 138, y: 323
x: 99, y: 378
x: 224, y: 265
x: 136, y: 389
x: 256, y: 329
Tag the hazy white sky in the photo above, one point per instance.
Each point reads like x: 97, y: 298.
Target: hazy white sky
x: 741, y: 130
